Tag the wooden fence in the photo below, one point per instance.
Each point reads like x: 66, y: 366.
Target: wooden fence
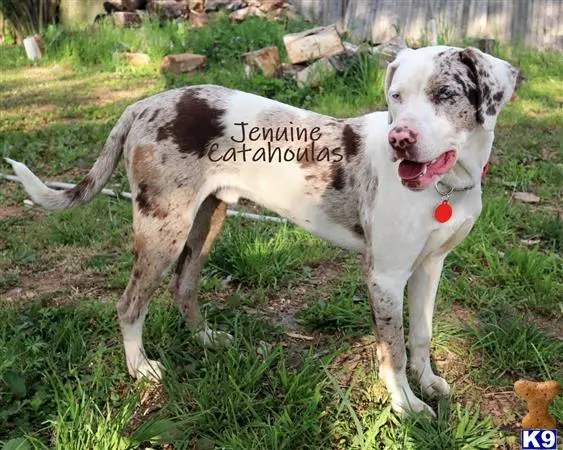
x: 534, y: 23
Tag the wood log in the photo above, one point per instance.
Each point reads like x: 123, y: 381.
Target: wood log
x: 388, y: 51
x: 313, y: 44
x: 197, y: 6
x: 183, y: 63
x: 270, y: 5
x: 34, y: 47
x: 137, y: 59
x: 241, y: 14
x: 123, y: 5
x: 231, y: 5
x: 198, y: 20
x: 265, y: 60
x: 125, y: 19
x: 168, y: 9
x: 290, y: 70
x: 313, y: 74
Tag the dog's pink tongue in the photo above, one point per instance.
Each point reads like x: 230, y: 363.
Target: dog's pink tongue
x: 409, y: 170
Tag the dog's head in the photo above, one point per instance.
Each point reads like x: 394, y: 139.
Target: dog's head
x: 443, y: 105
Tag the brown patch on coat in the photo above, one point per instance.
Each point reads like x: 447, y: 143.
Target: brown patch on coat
x: 142, y: 161
x: 78, y: 191
x: 337, y: 176
x: 143, y: 199
x: 140, y: 245
x: 306, y: 156
x: 195, y: 125
x: 145, y: 172
x: 160, y: 213
x: 351, y: 142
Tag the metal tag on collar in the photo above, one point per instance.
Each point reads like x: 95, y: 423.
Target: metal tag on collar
x: 443, y: 211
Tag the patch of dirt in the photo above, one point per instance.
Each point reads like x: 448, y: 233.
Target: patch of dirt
x: 505, y: 408
x: 153, y: 398
x: 13, y: 211
x: 553, y: 327
x: 66, y: 282
x: 103, y: 96
x: 283, y: 306
x: 550, y: 154
x: 361, y: 354
x: 463, y: 314
x: 38, y: 74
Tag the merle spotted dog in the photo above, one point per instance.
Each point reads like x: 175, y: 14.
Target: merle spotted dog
x: 401, y: 186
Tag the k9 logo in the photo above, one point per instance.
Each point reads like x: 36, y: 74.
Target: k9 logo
x: 539, y: 439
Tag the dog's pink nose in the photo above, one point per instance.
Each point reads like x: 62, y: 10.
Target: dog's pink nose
x: 402, y: 138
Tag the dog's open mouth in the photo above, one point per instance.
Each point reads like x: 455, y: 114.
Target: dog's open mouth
x: 420, y: 175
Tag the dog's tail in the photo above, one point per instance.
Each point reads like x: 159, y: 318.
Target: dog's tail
x: 92, y: 184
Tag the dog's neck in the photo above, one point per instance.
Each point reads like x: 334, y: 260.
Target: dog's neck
x: 467, y: 172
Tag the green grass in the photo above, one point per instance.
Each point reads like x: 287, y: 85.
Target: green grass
x: 63, y: 381
x: 266, y: 256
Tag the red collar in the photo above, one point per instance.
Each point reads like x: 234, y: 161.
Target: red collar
x: 485, y: 170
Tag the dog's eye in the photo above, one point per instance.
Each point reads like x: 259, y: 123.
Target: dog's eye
x: 446, y: 94
x: 396, y: 96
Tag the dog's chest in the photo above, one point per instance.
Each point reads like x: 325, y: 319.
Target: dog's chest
x: 405, y: 230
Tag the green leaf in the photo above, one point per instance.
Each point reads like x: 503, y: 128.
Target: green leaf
x: 15, y: 382
x: 17, y: 444
x: 154, y: 430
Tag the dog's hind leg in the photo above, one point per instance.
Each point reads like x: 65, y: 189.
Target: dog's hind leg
x: 159, y: 235
x: 207, y: 225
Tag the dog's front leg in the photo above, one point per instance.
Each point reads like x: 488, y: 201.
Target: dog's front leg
x: 422, y: 288
x: 386, y: 290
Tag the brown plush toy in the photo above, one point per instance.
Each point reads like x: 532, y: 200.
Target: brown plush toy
x: 538, y: 395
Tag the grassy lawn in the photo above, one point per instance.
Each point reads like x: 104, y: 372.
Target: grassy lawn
x: 301, y: 372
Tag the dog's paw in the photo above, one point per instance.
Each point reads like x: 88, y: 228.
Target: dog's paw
x: 434, y: 386
x: 404, y: 406
x: 149, y: 369
x: 210, y: 338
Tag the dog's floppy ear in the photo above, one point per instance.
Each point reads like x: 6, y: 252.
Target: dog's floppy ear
x: 496, y: 82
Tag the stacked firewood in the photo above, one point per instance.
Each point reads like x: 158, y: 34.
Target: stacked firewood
x: 129, y: 12
x: 312, y: 54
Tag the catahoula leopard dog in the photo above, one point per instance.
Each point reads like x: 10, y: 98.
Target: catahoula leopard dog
x: 402, y: 187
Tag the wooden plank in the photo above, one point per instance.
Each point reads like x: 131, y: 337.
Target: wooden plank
x: 415, y: 28
x: 332, y: 11
x: 556, y: 38
x: 550, y: 24
x: 310, y: 9
x: 385, y: 22
x: 495, y: 27
x: 537, y: 36
x: 477, y: 20
x: 453, y: 20
x: 359, y: 18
